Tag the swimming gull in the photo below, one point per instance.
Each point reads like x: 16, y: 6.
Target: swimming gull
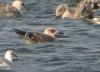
x: 63, y: 11
x: 11, y: 10
x: 30, y: 37
x: 8, y: 59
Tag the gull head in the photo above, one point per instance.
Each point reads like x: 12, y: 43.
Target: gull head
x: 60, y: 10
x: 9, y: 55
x: 51, y: 31
x: 18, y: 4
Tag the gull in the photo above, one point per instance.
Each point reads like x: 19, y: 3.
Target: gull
x: 11, y: 10
x: 8, y: 59
x: 49, y: 35
x: 63, y: 11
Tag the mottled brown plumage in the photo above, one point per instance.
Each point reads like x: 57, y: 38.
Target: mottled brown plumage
x: 11, y: 10
x: 38, y: 37
x: 95, y: 4
x: 7, y: 10
x: 30, y: 37
x: 63, y: 11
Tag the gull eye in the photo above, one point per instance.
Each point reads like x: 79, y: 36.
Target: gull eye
x: 60, y: 10
x: 23, y: 4
x: 52, y: 31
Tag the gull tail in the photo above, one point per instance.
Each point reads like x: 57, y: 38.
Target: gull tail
x: 19, y: 32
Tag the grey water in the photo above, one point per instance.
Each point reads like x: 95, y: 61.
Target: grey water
x: 78, y: 50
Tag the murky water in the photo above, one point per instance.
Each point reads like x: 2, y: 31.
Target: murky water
x: 77, y: 51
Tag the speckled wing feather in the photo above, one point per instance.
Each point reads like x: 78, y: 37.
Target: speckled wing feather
x: 7, y: 10
x: 2, y: 9
x: 79, y: 9
x: 33, y: 37
x: 84, y: 9
x: 38, y: 37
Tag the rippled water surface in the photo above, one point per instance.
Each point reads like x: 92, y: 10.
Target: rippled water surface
x: 77, y: 51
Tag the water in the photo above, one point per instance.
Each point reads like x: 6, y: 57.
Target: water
x: 77, y: 51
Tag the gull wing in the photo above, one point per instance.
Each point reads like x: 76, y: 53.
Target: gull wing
x: 38, y: 37
x: 4, y: 61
